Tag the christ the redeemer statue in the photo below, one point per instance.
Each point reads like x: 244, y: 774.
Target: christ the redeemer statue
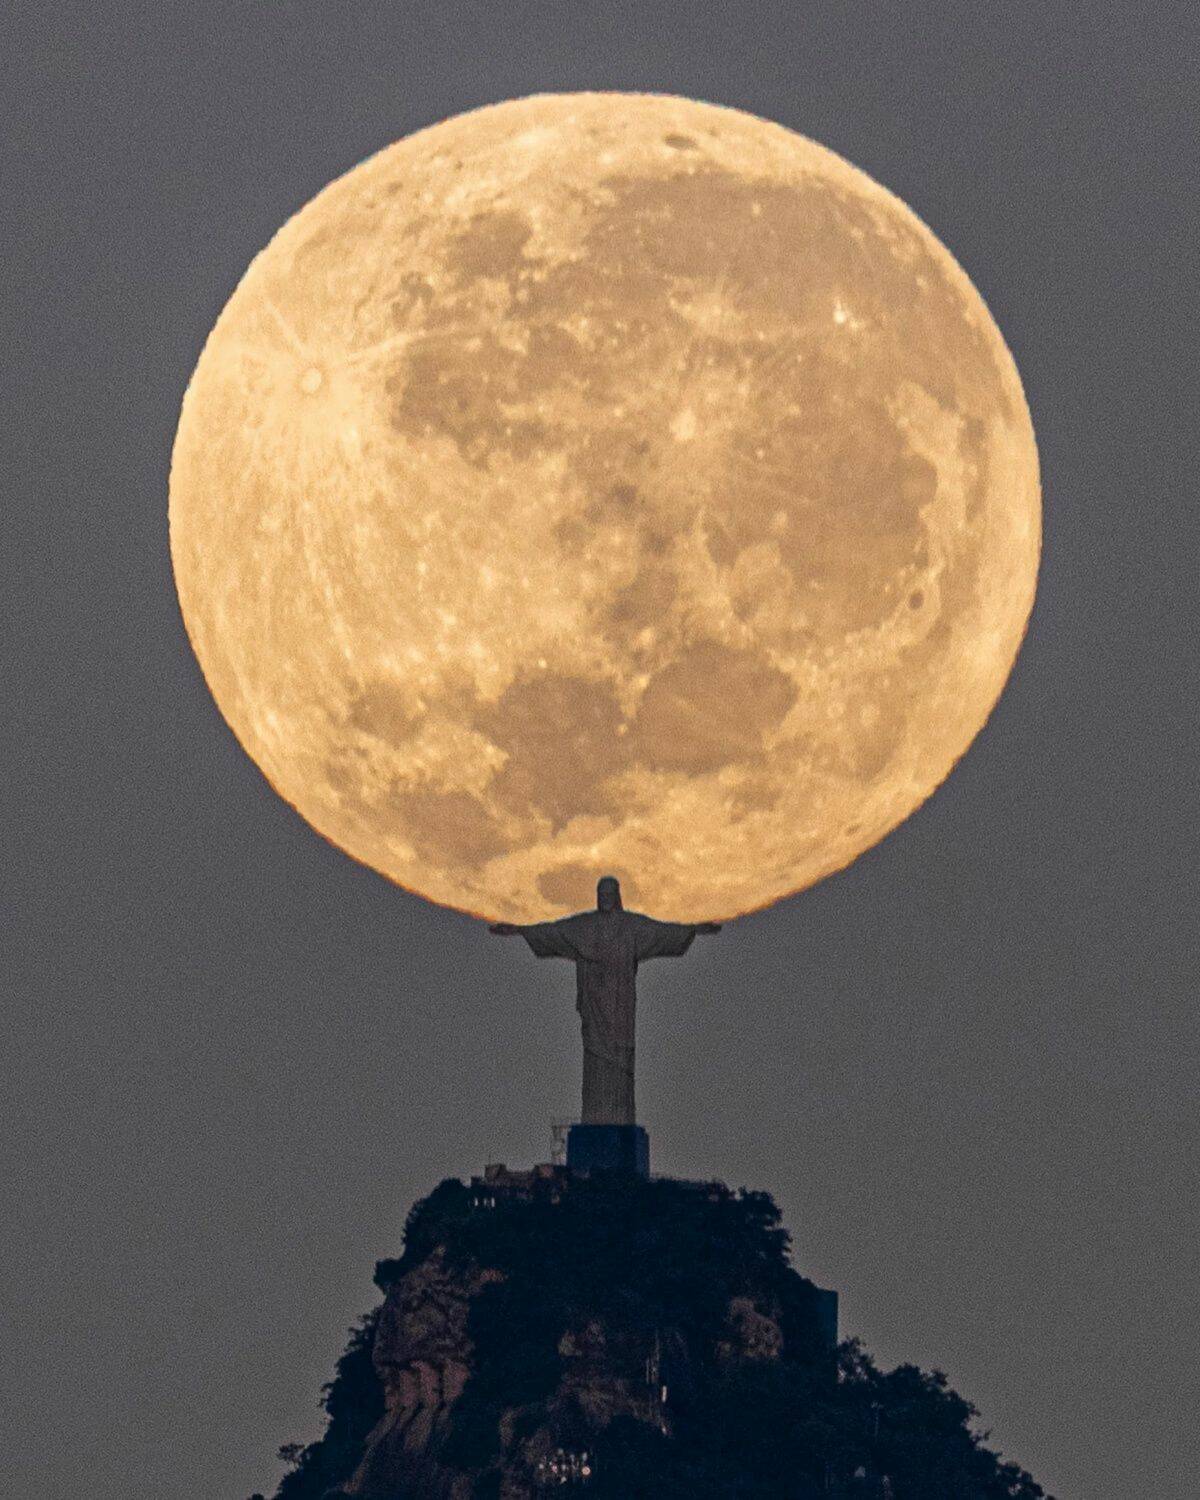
x: 607, y: 945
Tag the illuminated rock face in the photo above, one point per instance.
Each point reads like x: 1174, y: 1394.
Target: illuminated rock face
x: 605, y: 482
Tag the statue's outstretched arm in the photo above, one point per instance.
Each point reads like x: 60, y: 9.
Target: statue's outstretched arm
x: 667, y: 939
x: 547, y: 939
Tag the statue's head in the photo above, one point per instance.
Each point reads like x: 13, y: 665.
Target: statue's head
x: 608, y: 893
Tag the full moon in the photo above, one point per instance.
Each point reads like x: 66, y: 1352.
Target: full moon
x: 605, y: 483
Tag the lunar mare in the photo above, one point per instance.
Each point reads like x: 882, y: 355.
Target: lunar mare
x: 605, y: 483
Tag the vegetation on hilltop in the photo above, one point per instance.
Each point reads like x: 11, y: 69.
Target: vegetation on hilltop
x: 612, y: 1272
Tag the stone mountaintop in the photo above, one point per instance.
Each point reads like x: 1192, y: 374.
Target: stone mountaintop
x: 623, y: 1337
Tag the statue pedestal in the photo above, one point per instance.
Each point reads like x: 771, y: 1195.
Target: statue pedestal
x: 609, y: 1148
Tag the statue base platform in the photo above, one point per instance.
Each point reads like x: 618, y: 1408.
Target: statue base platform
x: 624, y: 1149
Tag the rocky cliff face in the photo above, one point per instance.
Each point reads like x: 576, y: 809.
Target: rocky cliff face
x: 546, y: 1331
x: 422, y: 1356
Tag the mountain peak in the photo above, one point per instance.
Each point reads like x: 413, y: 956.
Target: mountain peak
x: 624, y: 1337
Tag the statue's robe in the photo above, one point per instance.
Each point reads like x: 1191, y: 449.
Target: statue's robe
x: 607, y: 947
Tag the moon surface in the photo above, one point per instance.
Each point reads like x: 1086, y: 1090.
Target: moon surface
x: 605, y: 483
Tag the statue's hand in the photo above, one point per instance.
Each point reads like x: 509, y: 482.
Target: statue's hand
x: 503, y: 929
x: 708, y: 927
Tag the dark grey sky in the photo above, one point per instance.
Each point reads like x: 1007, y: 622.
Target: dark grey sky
x: 232, y: 1058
